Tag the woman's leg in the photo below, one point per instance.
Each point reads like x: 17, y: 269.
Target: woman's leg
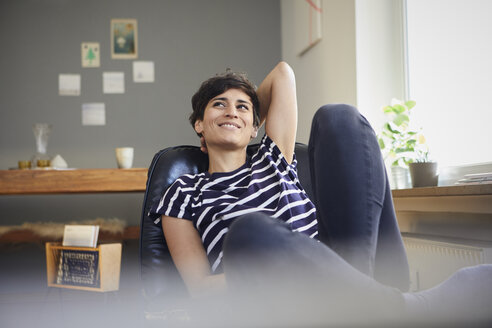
x: 292, y: 275
x: 465, y: 297
x: 352, y: 194
x: 285, y: 277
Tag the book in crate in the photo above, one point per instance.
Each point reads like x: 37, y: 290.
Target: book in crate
x: 78, y: 268
x: 86, y: 268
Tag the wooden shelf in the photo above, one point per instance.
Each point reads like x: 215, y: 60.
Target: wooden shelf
x: 457, y: 190
x: 460, y: 212
x: 451, y: 199
x: 24, y: 182
x: 29, y: 236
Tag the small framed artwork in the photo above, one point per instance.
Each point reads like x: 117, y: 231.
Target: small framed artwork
x: 90, y: 54
x: 308, y: 23
x: 124, y: 40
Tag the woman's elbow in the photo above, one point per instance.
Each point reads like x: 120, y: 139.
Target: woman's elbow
x: 283, y: 68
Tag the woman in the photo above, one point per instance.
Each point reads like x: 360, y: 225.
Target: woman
x: 227, y: 115
x: 251, y: 218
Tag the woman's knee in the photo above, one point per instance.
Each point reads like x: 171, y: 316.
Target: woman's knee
x: 340, y: 121
x: 253, y: 231
x: 335, y: 115
x: 250, y: 224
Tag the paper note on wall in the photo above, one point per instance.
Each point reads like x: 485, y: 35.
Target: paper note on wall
x: 69, y: 84
x: 143, y: 71
x: 113, y: 82
x: 93, y: 114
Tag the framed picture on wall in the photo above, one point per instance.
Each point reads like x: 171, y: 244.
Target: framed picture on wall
x: 124, y: 41
x: 308, y: 24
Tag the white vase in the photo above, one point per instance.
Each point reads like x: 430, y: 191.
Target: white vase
x: 399, y: 178
x: 41, y: 135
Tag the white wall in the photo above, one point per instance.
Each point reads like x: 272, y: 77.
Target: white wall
x: 380, y: 56
x: 189, y: 41
x: 359, y: 60
x: 326, y: 73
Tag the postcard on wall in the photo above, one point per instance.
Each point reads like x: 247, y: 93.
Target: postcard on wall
x: 69, y: 84
x: 90, y: 54
x: 124, y: 41
x: 93, y: 114
x: 143, y: 71
x: 113, y: 82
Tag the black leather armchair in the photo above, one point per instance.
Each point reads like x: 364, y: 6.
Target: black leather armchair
x: 161, y: 282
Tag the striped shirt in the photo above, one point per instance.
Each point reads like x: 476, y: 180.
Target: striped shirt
x: 265, y: 183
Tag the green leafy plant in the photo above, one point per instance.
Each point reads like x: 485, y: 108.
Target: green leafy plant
x: 400, y: 143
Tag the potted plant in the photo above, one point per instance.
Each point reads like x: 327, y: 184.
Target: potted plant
x: 405, y: 147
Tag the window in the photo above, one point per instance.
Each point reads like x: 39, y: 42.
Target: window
x: 449, y: 45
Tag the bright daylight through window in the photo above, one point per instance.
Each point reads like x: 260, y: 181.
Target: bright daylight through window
x: 450, y: 77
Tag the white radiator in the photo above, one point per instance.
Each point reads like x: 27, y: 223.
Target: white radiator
x: 433, y: 261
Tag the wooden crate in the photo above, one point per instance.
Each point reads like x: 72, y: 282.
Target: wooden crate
x: 109, y: 257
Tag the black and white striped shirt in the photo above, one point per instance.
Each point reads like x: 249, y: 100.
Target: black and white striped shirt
x: 265, y: 183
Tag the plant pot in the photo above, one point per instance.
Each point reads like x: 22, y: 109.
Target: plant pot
x: 400, y: 178
x: 423, y: 174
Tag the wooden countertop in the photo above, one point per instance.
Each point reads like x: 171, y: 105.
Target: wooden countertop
x: 134, y: 180
x: 475, y: 198
x: 456, y: 190
x: 24, y: 182
x: 24, y: 235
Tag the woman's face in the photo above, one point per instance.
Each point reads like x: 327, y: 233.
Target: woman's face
x: 228, y: 121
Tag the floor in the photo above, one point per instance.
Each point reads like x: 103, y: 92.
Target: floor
x: 26, y: 301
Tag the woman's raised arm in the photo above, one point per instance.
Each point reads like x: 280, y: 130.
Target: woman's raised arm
x: 278, y: 108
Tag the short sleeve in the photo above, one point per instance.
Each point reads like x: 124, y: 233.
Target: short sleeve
x: 270, y: 148
x: 176, y: 202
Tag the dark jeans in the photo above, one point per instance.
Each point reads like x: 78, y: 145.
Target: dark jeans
x: 356, y: 217
x: 289, y: 279
x: 286, y: 273
x: 284, y: 278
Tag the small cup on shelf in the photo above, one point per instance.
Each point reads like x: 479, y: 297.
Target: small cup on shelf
x: 124, y: 157
x: 24, y: 165
x: 43, y: 163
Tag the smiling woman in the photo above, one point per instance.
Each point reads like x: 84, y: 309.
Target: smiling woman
x: 227, y: 112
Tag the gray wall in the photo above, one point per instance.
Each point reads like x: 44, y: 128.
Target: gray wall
x: 188, y: 40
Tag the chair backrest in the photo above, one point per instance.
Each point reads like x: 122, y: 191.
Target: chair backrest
x: 158, y: 273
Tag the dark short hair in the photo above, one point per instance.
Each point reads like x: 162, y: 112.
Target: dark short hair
x: 219, y: 84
